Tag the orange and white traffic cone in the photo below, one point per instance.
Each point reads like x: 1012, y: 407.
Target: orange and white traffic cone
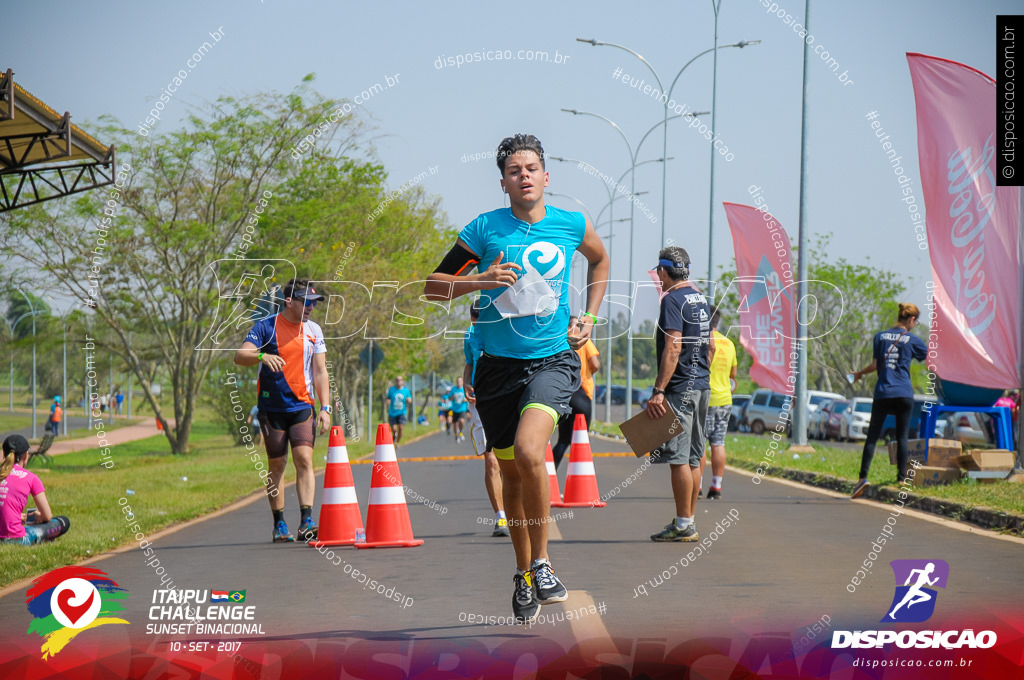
x: 339, y: 507
x: 387, y: 516
x: 549, y: 462
x: 581, y: 483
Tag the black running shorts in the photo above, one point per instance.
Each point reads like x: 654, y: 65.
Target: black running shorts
x: 505, y: 386
x: 280, y: 428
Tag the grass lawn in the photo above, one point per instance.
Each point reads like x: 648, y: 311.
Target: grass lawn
x: 749, y: 451
x: 218, y: 473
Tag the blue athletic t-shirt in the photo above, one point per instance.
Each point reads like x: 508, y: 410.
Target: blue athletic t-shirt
x: 396, y: 400
x: 893, y: 350
x: 458, y: 398
x: 547, y: 248
x: 472, y: 347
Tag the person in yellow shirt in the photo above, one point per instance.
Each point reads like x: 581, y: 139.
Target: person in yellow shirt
x: 723, y: 374
x: 582, y: 401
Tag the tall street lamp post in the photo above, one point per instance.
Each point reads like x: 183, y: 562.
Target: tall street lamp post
x: 668, y: 95
x: 632, y: 204
x: 33, y: 312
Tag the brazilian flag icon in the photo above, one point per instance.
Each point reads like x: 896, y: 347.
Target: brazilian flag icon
x: 237, y: 596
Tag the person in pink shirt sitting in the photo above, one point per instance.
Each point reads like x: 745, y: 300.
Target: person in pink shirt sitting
x: 16, y: 485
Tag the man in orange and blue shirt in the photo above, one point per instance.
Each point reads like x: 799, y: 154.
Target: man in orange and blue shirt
x: 292, y: 356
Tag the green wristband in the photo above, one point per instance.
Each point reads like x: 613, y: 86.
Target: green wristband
x: 593, y: 319
x: 260, y: 356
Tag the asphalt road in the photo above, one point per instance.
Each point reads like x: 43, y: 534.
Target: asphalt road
x: 785, y: 561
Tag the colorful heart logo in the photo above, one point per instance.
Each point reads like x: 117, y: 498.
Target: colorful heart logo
x: 74, y: 612
x: 75, y: 603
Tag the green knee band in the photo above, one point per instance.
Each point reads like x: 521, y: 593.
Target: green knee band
x: 508, y: 453
x: 546, y: 409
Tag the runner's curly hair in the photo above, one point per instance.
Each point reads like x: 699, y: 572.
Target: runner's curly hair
x: 520, y: 142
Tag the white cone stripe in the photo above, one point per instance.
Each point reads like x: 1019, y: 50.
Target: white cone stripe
x: 341, y: 495
x: 384, y: 453
x: 585, y: 469
x: 580, y: 437
x: 337, y: 454
x: 551, y: 468
x: 387, y: 495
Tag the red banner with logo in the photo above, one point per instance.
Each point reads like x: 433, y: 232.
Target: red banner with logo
x: 767, y: 293
x: 972, y: 226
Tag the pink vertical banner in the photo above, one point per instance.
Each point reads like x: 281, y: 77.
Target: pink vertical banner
x: 767, y: 291
x: 972, y: 226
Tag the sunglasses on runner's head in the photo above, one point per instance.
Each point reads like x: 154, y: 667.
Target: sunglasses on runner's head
x: 311, y: 303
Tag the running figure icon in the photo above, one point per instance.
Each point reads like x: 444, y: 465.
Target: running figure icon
x: 915, y: 595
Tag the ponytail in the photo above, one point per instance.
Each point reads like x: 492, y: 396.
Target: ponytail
x: 6, y: 466
x: 908, y: 310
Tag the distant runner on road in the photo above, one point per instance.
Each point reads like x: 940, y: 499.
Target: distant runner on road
x: 292, y: 356
x: 399, y: 400
x: 460, y: 408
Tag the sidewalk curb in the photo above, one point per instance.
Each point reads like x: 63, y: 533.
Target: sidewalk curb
x: 986, y: 518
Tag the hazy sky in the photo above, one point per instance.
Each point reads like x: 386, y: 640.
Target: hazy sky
x: 115, y: 58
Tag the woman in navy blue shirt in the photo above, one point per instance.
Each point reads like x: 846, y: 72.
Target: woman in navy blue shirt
x: 893, y: 351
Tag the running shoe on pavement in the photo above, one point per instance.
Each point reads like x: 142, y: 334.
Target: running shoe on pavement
x: 714, y: 493
x: 671, y: 532
x: 546, y: 586
x: 281, y: 533
x: 308, y: 529
x: 859, y: 490
x: 524, y: 605
x: 500, y: 528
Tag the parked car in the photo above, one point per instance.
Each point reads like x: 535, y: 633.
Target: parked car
x: 640, y: 394
x: 830, y: 424
x: 967, y: 427
x: 816, y: 398
x: 600, y: 390
x: 738, y: 402
x: 855, y: 419
x: 817, y: 416
x: 764, y: 410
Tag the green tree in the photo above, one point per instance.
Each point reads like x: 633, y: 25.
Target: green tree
x: 851, y: 302
x: 139, y: 254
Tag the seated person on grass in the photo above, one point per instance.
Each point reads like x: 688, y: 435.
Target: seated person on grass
x: 16, y: 484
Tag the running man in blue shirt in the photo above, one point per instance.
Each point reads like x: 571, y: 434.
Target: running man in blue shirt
x: 399, y: 399
x: 529, y: 371
x: 460, y: 408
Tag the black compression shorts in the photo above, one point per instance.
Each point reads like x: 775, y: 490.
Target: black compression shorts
x: 280, y: 428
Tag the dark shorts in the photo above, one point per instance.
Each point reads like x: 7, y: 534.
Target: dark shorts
x: 687, y: 447
x: 280, y: 428
x: 460, y: 415
x: 504, y: 387
x: 400, y: 419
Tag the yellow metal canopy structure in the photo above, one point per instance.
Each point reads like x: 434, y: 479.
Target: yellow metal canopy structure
x: 42, y: 155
